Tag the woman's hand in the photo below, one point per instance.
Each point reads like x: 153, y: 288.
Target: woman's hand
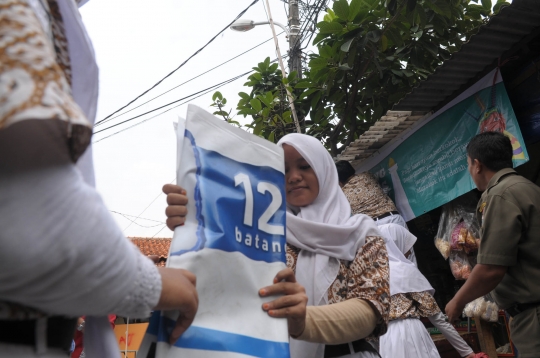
x: 178, y: 293
x: 176, y: 211
x: 291, y: 306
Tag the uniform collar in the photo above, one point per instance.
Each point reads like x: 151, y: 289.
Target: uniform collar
x: 498, y: 176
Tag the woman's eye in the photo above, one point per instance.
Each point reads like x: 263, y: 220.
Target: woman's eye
x: 305, y: 167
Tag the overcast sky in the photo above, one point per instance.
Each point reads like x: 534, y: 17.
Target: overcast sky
x: 137, y: 43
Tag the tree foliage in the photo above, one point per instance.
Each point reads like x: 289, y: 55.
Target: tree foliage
x: 267, y: 102
x: 370, y: 54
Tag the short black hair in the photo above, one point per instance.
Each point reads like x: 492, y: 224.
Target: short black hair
x: 345, y: 170
x: 492, y: 149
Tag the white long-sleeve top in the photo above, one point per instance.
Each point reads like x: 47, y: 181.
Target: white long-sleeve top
x: 61, y: 252
x: 450, y: 333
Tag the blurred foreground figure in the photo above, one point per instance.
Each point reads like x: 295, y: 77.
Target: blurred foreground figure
x: 62, y: 254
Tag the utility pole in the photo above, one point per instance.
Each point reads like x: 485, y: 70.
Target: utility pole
x: 295, y: 55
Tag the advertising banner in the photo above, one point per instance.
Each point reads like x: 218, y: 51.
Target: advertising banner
x: 427, y: 166
x: 233, y: 240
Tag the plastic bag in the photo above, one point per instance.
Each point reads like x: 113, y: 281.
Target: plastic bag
x: 233, y: 240
x: 472, y: 240
x: 459, y: 265
x: 458, y: 228
x: 484, y: 308
x: 458, y: 237
x: 442, y: 239
x: 491, y: 314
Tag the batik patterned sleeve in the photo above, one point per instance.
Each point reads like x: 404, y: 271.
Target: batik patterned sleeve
x: 412, y: 305
x: 369, y: 279
x: 292, y: 256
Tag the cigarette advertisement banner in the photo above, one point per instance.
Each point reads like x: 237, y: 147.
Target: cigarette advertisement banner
x: 427, y: 167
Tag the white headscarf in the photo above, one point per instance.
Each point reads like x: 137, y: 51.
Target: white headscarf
x: 325, y: 232
x: 404, y: 275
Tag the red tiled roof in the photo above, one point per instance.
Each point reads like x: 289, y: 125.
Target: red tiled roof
x: 153, y: 246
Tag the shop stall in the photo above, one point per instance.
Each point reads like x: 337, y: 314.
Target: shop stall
x: 418, y: 153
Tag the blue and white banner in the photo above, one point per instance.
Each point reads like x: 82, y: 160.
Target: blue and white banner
x: 233, y: 241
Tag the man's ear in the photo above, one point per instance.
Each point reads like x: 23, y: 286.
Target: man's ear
x: 478, y: 166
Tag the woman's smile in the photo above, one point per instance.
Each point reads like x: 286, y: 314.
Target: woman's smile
x: 301, y: 181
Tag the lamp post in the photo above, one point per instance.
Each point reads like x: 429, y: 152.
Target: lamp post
x: 246, y: 25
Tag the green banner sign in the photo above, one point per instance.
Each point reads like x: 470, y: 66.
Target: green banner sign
x: 428, y: 167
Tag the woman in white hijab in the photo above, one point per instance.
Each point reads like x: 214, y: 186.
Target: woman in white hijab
x: 336, y: 291
x: 412, y: 298
x: 339, y: 259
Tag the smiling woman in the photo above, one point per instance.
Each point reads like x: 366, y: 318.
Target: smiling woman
x: 301, y: 181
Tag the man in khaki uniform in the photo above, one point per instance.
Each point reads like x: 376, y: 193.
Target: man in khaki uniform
x: 509, y: 253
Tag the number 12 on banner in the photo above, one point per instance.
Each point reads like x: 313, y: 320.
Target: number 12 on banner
x: 275, y: 204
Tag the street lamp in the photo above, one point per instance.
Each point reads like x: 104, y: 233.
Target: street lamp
x: 244, y: 25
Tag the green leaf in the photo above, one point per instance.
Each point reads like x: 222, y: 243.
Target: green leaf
x: 217, y: 94
x: 315, y: 100
x: 326, y: 51
x: 330, y: 15
x: 445, y: 55
x: 432, y: 48
x: 256, y: 104
x: 303, y: 84
x: 243, y: 95
x: 287, y: 118
x: 271, y: 137
x: 421, y: 17
x: 308, y: 92
x: 319, y: 38
x: 384, y: 43
x: 273, y: 67
x: 264, y: 101
x: 394, y: 36
x: 224, y: 101
x: 397, y: 72
x: 347, y: 45
x: 329, y: 27
x: 341, y: 9
x: 486, y: 4
x: 318, y: 63
x: 269, y: 98
x: 407, y: 73
x: 354, y: 8
x: 441, y: 7
x: 256, y: 76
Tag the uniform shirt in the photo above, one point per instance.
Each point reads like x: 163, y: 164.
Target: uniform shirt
x: 509, y: 214
x: 366, y: 196
x: 367, y: 278
x: 412, y: 305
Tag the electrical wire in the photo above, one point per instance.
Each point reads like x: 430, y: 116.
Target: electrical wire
x: 142, y: 212
x: 160, y: 230
x: 183, y: 63
x: 209, y: 89
x: 168, y: 104
x: 127, y: 216
x: 183, y: 83
x: 167, y: 110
